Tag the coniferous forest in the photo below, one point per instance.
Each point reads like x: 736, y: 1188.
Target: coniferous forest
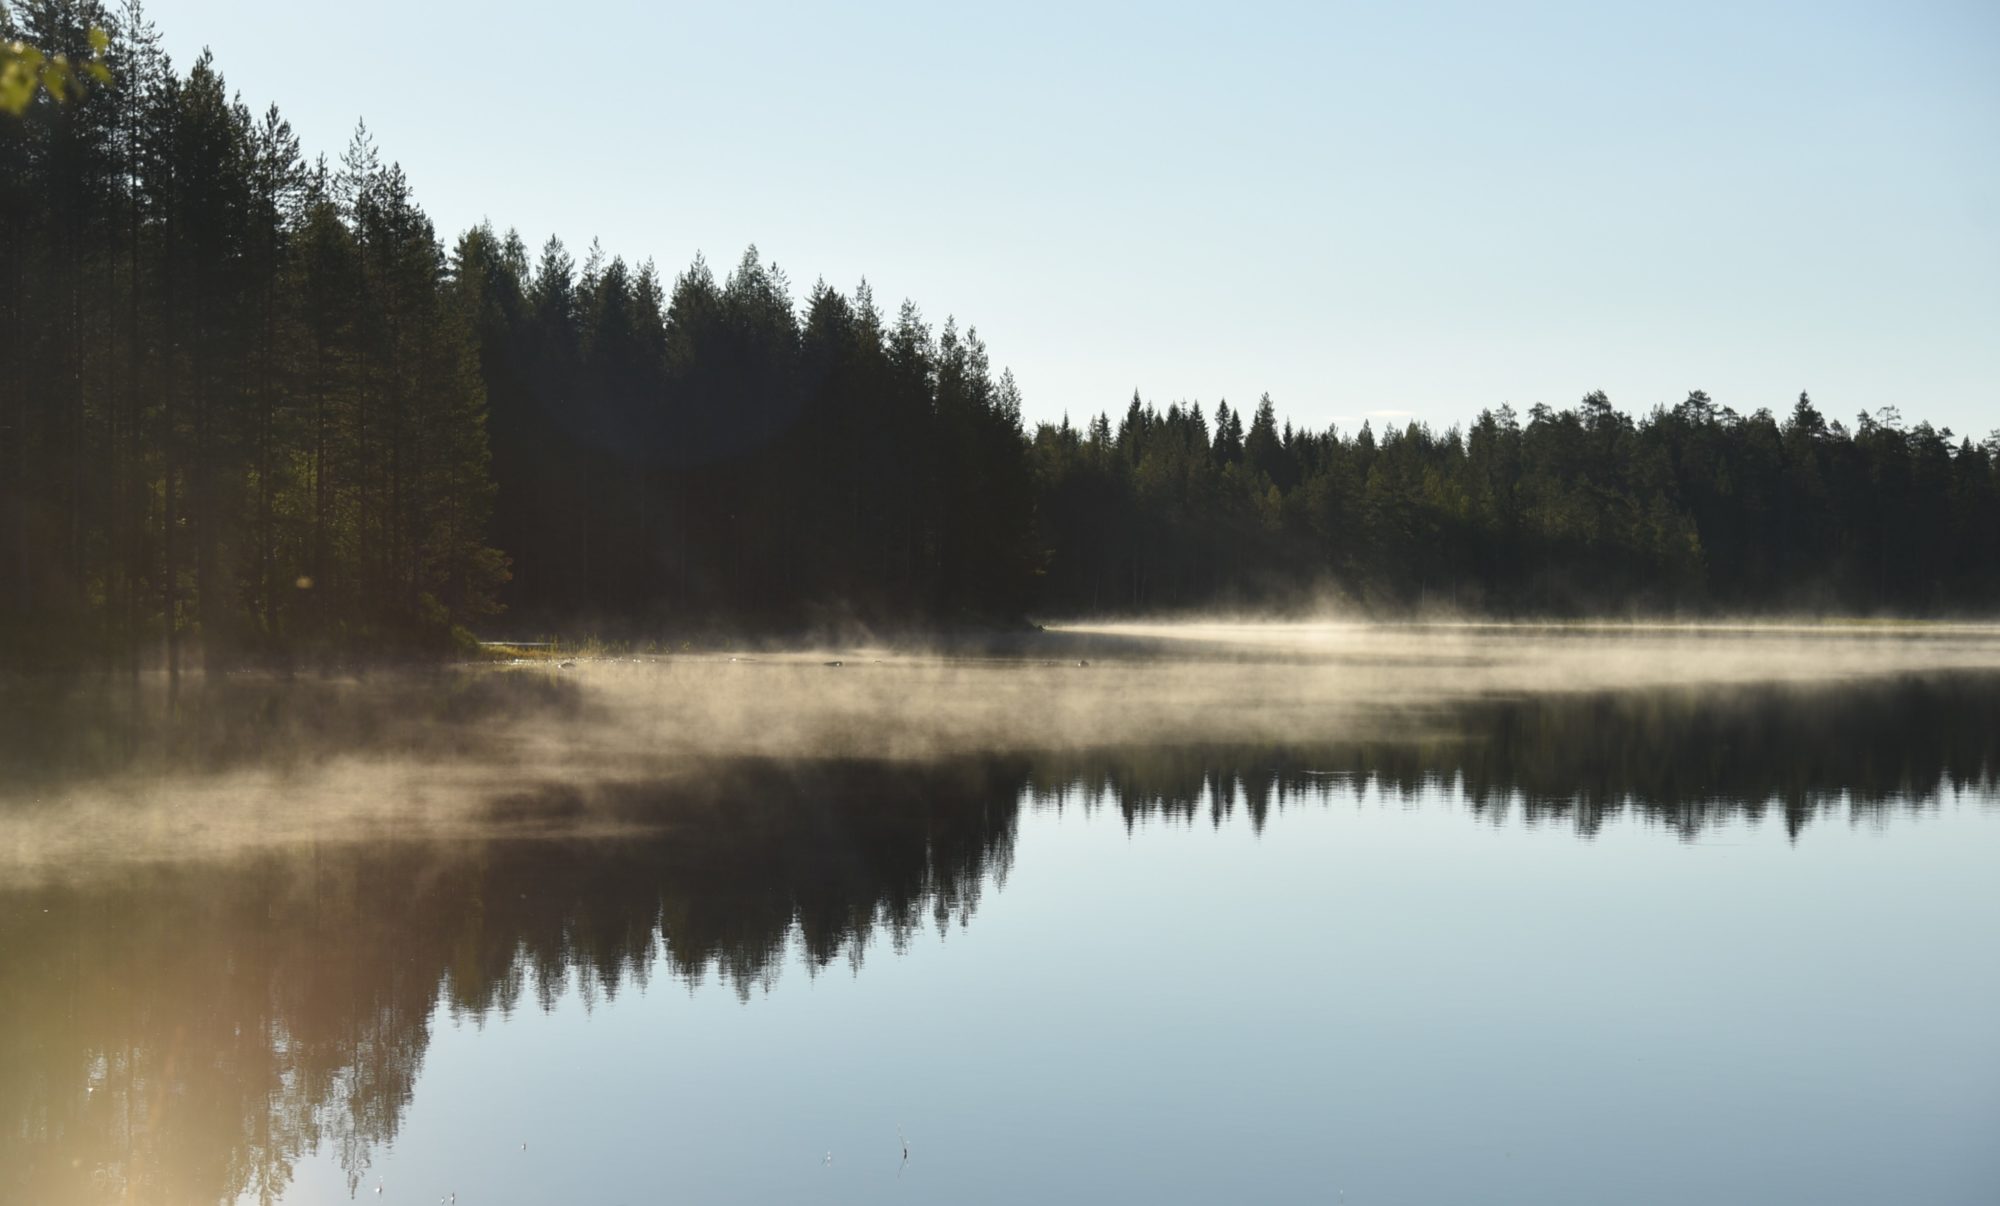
x: 254, y: 406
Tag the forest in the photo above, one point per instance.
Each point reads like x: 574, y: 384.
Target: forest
x: 254, y: 407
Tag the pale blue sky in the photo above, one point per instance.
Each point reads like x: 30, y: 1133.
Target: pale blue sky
x: 1410, y: 208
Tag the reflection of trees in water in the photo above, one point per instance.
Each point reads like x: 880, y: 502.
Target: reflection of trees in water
x: 1684, y: 759
x: 188, y: 1033
x: 193, y: 1030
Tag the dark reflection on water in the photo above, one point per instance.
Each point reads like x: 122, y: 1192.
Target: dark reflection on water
x: 197, y: 1028
x: 190, y: 1032
x: 1684, y: 758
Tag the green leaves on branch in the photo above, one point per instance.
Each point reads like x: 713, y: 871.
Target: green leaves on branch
x: 26, y: 70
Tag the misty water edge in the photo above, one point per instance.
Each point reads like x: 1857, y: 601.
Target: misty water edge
x: 1176, y: 914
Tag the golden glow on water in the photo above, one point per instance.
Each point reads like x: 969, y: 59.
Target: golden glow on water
x: 236, y: 935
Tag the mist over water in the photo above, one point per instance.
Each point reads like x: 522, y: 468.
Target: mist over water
x: 486, y: 718
x: 100, y: 773
x: 1174, y: 911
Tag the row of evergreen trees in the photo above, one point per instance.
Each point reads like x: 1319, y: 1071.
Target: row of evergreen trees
x: 252, y: 404
x: 241, y: 400
x: 709, y: 452
x: 1584, y: 510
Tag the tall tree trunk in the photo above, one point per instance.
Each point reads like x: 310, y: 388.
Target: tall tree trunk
x: 169, y: 440
x: 320, y: 579
x: 267, y: 576
x: 131, y: 516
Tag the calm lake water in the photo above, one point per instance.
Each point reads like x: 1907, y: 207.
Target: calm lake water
x: 1669, y: 938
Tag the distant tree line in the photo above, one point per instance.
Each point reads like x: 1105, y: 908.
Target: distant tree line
x: 252, y: 405
x: 1693, y: 507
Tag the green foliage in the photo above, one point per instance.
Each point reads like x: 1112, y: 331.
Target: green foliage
x: 27, y: 70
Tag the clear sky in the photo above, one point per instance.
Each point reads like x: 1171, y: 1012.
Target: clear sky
x: 1419, y: 209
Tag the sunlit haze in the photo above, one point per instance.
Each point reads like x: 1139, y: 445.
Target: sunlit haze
x: 625, y: 712
x: 1388, y: 213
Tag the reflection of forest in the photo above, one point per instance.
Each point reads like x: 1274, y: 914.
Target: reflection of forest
x: 1683, y: 758
x: 189, y: 1031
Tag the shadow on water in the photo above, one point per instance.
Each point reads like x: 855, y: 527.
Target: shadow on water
x: 189, y: 1031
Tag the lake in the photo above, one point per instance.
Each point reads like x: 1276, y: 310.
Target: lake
x: 1363, y: 914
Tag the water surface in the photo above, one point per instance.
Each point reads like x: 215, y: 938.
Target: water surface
x: 1722, y: 937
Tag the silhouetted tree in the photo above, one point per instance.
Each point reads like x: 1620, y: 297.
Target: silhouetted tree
x: 248, y: 399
